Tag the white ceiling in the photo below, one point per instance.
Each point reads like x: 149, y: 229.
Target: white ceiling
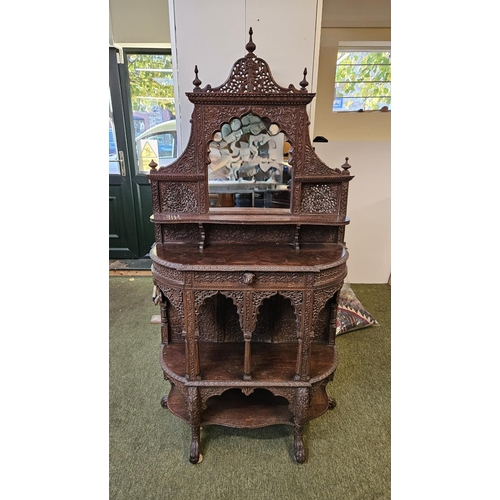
x: 356, y: 14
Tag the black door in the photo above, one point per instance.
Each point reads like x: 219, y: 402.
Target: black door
x: 143, y: 123
x: 123, y: 234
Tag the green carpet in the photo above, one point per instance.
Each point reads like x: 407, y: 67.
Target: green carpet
x: 347, y: 449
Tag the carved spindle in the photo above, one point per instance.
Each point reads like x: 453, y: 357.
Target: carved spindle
x: 165, y: 334
x: 298, y: 363
x: 304, y: 83
x: 196, y: 81
x: 296, y: 237
x: 247, y: 369
x: 197, y: 375
x: 250, y: 46
x: 152, y: 165
x: 346, y: 166
x: 201, y: 244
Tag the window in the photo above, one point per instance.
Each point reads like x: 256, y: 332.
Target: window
x: 363, y: 77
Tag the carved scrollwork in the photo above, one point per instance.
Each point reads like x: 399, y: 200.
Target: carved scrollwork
x: 168, y: 273
x: 319, y: 198
x: 179, y: 197
x: 174, y: 297
x: 313, y: 166
x: 248, y: 278
x: 321, y: 297
x: 250, y: 75
x: 295, y: 298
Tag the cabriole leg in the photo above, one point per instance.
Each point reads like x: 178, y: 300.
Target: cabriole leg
x: 301, y: 407
x: 193, y: 402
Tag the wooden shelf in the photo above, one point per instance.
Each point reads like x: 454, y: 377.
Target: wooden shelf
x: 272, y: 363
x: 251, y: 216
x: 234, y: 409
x: 253, y: 256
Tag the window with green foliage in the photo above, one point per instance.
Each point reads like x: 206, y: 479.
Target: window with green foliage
x: 362, y: 79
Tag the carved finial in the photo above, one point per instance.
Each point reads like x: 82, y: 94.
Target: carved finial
x: 250, y: 46
x: 346, y: 166
x: 196, y: 81
x: 304, y: 83
x: 152, y: 165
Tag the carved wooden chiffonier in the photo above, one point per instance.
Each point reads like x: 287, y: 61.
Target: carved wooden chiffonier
x: 249, y: 259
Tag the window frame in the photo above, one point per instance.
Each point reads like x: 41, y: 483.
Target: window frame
x: 354, y: 46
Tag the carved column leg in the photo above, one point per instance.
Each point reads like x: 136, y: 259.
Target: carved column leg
x: 165, y: 335
x: 304, y: 342
x: 193, y: 404
x: 247, y: 312
x: 298, y: 363
x: 332, y: 321
x: 192, y: 354
x: 247, y: 364
x: 300, y: 418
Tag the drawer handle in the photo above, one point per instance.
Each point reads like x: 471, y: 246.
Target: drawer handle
x: 248, y: 278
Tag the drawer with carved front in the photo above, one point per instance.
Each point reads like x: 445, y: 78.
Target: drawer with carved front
x: 242, y: 279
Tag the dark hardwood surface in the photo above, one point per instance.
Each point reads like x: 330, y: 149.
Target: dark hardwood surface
x: 251, y: 216
x: 310, y: 257
x: 271, y: 362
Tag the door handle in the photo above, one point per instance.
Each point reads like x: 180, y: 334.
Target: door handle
x: 121, y: 158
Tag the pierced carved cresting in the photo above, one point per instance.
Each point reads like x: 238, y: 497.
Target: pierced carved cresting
x: 250, y: 75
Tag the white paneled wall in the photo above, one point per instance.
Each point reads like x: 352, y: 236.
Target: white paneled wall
x: 368, y: 236
x: 286, y: 33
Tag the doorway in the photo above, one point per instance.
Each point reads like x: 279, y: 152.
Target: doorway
x: 142, y: 127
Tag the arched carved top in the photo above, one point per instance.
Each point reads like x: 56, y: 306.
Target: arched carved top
x: 295, y: 298
x: 249, y: 75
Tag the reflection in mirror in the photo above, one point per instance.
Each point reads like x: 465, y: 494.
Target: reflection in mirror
x: 249, y: 165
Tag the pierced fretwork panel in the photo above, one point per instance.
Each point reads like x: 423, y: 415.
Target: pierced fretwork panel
x: 276, y: 321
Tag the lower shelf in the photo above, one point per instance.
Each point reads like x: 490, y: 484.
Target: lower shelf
x: 269, y: 362
x: 235, y: 409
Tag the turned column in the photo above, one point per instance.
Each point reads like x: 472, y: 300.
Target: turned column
x: 165, y: 334
x: 248, y: 326
x: 302, y: 366
x: 192, y: 354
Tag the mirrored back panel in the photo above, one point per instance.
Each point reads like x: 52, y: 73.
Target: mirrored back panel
x: 249, y: 165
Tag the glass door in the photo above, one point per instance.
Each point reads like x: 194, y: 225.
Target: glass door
x: 123, y: 236
x: 142, y: 128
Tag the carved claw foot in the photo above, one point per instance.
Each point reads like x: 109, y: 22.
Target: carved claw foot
x: 194, y: 452
x: 331, y: 403
x: 298, y: 448
x: 163, y: 401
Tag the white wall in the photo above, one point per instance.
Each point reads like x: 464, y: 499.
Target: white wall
x: 143, y: 22
x: 286, y: 33
x: 368, y: 236
x: 366, y: 139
